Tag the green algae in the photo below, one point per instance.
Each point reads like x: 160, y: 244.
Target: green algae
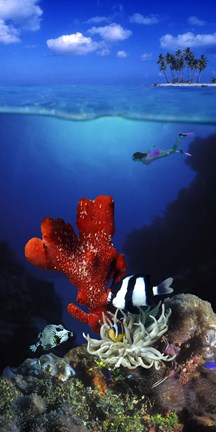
x: 168, y: 423
x: 8, y: 394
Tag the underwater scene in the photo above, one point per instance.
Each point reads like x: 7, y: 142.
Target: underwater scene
x: 107, y: 259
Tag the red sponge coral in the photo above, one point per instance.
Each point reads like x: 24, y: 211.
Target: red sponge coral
x: 89, y: 261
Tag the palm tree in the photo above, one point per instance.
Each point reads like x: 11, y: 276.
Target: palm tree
x: 163, y: 65
x: 193, y: 67
x: 170, y: 59
x: 189, y: 60
x: 177, y: 63
x: 180, y: 63
x: 201, y: 65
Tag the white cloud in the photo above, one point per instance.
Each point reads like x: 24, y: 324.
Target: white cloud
x: 121, y: 54
x: 97, y: 20
x: 138, y: 18
x: 193, y: 20
x: 103, y: 52
x: 188, y: 40
x: 112, y: 32
x: 72, y: 44
x: 23, y: 13
x: 77, y: 43
x: 8, y: 34
x: 146, y: 57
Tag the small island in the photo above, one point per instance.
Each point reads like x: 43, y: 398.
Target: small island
x: 179, y: 84
x: 185, y: 69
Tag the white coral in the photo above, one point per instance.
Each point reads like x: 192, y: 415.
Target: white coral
x: 140, y: 332
x: 209, y: 343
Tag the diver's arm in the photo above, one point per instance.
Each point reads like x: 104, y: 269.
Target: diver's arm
x: 150, y: 148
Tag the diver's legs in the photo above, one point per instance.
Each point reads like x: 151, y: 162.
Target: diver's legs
x: 176, y: 144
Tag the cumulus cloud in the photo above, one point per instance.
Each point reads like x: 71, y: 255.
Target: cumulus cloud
x: 79, y: 44
x: 111, y: 33
x: 138, y: 18
x: 72, y: 44
x: 8, y: 34
x: 193, y: 20
x: 121, y: 54
x: 23, y: 13
x: 146, y: 57
x: 188, y: 39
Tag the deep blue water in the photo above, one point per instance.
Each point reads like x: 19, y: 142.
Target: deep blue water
x: 48, y: 162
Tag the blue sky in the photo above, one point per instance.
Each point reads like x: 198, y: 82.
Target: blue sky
x: 100, y: 41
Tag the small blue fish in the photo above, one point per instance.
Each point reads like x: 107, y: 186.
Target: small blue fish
x: 210, y: 365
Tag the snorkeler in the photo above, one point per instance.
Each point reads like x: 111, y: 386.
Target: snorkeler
x: 150, y: 155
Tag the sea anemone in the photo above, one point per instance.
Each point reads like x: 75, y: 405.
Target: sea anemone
x: 139, y: 333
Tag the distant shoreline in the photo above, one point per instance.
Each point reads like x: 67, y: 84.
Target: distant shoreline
x: 184, y: 85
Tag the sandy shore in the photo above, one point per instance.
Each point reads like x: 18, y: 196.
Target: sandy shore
x: 185, y: 85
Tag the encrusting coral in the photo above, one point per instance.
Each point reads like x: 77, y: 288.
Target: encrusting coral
x: 89, y: 261
x: 139, y: 333
x: 193, y: 317
x: 49, y: 364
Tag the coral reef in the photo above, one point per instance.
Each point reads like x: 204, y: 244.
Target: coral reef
x: 50, y: 364
x: 140, y: 332
x: 170, y: 395
x: 91, y: 399
x: 190, y: 385
x: 89, y: 261
x: 194, y: 318
x: 182, y: 241
x: 180, y: 396
x: 26, y: 303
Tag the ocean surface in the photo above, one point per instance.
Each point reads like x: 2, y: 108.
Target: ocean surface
x: 62, y: 143
x: 134, y: 102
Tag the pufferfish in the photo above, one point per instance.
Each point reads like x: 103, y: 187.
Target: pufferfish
x: 52, y: 336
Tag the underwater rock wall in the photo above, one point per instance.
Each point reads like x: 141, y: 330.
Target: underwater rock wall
x: 24, y: 301
x: 182, y: 242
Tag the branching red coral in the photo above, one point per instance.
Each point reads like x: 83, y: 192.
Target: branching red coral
x: 89, y: 261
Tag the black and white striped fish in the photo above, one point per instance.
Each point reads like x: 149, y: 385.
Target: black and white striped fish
x: 135, y: 291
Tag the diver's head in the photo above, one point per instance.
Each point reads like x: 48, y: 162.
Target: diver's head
x: 139, y: 156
